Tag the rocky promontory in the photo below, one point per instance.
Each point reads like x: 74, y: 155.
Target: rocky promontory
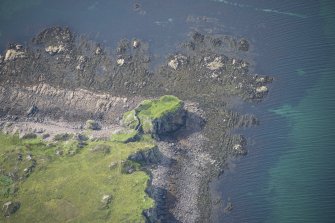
x: 93, y: 106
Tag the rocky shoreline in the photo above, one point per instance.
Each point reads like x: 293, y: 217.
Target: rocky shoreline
x: 62, y: 78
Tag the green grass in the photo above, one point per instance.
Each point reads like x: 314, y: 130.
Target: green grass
x: 150, y: 110
x: 125, y: 136
x: 129, y: 119
x: 70, y: 188
x: 157, y: 108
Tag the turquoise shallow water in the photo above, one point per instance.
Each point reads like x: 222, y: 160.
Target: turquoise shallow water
x: 288, y: 175
x: 302, y: 182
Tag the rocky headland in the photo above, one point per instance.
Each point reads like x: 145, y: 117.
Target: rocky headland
x: 61, y: 83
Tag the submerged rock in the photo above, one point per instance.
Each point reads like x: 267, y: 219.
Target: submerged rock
x: 243, y: 45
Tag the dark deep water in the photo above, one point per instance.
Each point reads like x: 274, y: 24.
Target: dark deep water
x: 288, y: 173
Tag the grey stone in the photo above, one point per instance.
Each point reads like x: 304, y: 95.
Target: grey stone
x: 10, y: 208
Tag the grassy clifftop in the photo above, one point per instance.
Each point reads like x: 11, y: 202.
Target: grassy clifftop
x: 157, y: 108
x: 86, y: 186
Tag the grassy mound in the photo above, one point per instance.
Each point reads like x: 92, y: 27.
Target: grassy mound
x: 148, y: 112
x: 157, y: 108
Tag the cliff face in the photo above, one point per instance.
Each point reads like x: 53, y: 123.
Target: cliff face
x: 46, y: 101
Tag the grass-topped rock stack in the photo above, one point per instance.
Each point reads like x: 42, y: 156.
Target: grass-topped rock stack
x: 156, y: 117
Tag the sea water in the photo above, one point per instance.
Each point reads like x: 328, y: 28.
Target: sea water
x: 288, y: 175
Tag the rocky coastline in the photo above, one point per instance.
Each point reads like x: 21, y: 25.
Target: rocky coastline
x: 59, y: 81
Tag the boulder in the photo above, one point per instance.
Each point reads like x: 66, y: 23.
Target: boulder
x: 93, y: 125
x: 12, y: 54
x: 52, y: 50
x: 105, y: 201
x: 177, y: 61
x: 10, y: 208
x: 243, y: 45
x: 262, y: 89
x: 216, y: 64
x: 32, y: 110
x: 62, y: 137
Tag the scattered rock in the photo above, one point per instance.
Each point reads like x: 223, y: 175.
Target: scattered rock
x: 173, y: 63
x: 80, y: 137
x: 262, y: 89
x: 98, y: 50
x: 177, y: 61
x: 59, y: 152
x: 82, y: 60
x: 46, y: 135
x: 29, y: 157
x: 120, y: 61
x: 260, y: 80
x: 62, y: 137
x: 10, y: 208
x: 32, y: 110
x: 12, y: 54
x: 216, y: 64
x: 136, y: 43
x: 105, y: 201
x: 52, y: 50
x: 112, y: 165
x: 18, y: 47
x: 128, y: 166
x: 239, y: 149
x: 27, y: 135
x: 92, y: 125
x: 81, y: 145
x: 198, y: 37
x: 243, y: 45
x: 228, y: 208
